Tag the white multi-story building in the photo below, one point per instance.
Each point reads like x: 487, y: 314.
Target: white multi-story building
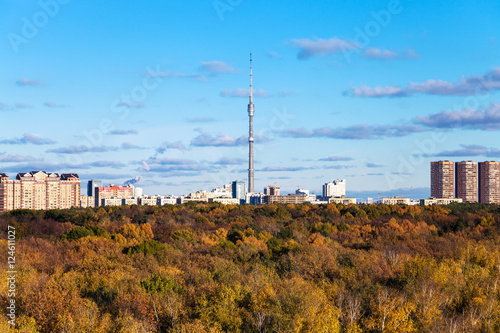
x: 224, y: 191
x: 342, y: 200
x: 169, y: 200
x: 225, y: 200
x: 138, y: 192
x: 335, y: 188
x: 396, y: 201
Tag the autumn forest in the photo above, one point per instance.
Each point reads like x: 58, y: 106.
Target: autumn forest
x: 202, y: 267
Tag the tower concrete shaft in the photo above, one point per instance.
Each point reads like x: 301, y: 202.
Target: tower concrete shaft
x: 251, y: 109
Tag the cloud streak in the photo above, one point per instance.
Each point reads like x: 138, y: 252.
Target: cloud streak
x: 28, y: 83
x: 222, y: 140
x: 356, y: 132
x: 123, y: 132
x: 216, y: 67
x: 16, y: 158
x: 469, y: 150
x: 381, y: 54
x: 107, y: 164
x: 336, y: 159
x: 81, y: 149
x: 28, y: 138
x: 318, y: 47
x: 483, y: 119
x: 467, y: 85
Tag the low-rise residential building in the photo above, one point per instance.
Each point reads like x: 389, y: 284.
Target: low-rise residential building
x: 396, y: 201
x: 129, y: 201
x: 342, y: 200
x: 225, y: 201
x: 111, y: 202
x: 439, y: 201
x: 286, y: 199
x: 86, y: 201
x: 148, y: 201
x: 166, y: 200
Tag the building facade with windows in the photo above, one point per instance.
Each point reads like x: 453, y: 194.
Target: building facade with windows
x: 466, y: 181
x: 103, y: 194
x: 489, y: 182
x: 442, y: 179
x: 335, y: 188
x: 39, y: 190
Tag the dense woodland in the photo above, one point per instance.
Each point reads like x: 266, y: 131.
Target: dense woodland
x: 276, y: 268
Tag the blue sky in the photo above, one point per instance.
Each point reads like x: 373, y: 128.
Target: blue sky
x: 368, y: 91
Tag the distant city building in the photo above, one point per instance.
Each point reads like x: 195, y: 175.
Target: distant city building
x: 168, y: 200
x: 396, y: 201
x: 466, y: 181
x: 254, y: 198
x: 442, y: 179
x: 272, y: 190
x: 335, y: 188
x: 369, y: 200
x: 439, y: 201
x: 225, y: 191
x: 489, y: 182
x: 342, y: 200
x: 129, y: 201
x: 39, y: 190
x: 319, y: 202
x: 226, y: 201
x: 286, y: 199
x: 113, y: 192
x: 91, y: 185
x: 147, y: 201
x: 138, y: 192
x: 238, y: 190
x: 302, y: 191
x: 86, y: 201
x: 111, y: 202
x: 199, y: 198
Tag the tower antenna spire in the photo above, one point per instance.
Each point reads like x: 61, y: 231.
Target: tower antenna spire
x: 251, y: 77
x: 251, y: 109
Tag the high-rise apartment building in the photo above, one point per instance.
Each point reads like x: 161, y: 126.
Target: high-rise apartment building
x: 442, y: 179
x: 466, y: 181
x: 91, y: 185
x: 489, y: 182
x: 336, y: 188
x: 39, y: 190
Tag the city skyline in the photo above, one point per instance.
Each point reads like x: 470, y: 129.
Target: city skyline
x: 156, y: 94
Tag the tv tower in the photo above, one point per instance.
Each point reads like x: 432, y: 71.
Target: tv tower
x: 251, y: 109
